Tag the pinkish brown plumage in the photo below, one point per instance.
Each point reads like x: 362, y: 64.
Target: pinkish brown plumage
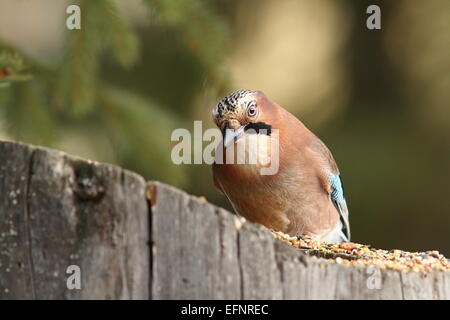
x: 305, y: 196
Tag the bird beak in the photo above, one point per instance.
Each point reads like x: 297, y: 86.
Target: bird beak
x: 231, y: 136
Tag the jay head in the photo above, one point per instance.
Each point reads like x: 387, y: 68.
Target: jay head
x: 245, y: 130
x: 305, y: 195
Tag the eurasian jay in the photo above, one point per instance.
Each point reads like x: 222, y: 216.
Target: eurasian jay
x: 305, y: 196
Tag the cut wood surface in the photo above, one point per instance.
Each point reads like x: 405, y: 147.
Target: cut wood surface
x: 138, y: 240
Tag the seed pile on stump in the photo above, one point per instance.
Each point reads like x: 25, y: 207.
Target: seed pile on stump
x: 364, y: 255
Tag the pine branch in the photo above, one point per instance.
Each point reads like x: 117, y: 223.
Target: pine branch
x: 102, y: 27
x: 203, y: 31
x: 124, y: 41
x: 12, y: 67
x: 141, y: 131
x: 28, y: 114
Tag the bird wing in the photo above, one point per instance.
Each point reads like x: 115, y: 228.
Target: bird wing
x: 332, y: 182
x: 337, y: 197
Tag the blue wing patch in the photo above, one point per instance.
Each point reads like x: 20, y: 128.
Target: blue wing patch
x: 337, y: 196
x: 337, y: 192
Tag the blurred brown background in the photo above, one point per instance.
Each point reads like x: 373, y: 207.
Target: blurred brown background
x: 115, y: 90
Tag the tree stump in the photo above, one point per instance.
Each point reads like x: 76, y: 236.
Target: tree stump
x: 131, y: 240
x: 57, y: 211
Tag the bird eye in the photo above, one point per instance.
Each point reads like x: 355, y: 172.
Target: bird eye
x: 251, y: 111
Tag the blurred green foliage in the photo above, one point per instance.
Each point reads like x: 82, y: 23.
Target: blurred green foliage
x: 12, y: 67
x: 76, y: 92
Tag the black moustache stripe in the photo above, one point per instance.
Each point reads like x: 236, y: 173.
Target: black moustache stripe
x: 257, y: 126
